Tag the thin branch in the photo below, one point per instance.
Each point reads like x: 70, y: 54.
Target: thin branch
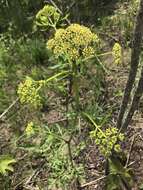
x: 93, y: 182
x: 7, y: 110
x: 33, y: 175
x: 57, y: 121
x: 129, y: 154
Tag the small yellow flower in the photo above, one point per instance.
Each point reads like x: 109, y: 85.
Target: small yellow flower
x: 88, y: 51
x: 30, y: 129
x: 60, y: 33
x: 96, y: 38
x: 117, y: 53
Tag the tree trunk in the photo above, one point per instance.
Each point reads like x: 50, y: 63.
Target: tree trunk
x: 135, y: 102
x: 136, y: 50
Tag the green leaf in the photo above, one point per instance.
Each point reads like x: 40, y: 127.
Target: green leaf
x: 115, y: 166
x: 112, y: 182
x: 118, y: 173
x: 5, y: 162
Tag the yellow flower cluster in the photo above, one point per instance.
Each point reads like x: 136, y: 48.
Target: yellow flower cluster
x: 30, y: 129
x: 48, y: 16
x: 117, y: 53
x: 108, y: 141
x: 74, y: 42
x: 28, y: 92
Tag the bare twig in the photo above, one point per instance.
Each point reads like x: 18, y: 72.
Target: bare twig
x: 93, y: 182
x: 29, y: 187
x: 130, y: 164
x: 7, y: 110
x: 129, y: 154
x: 18, y: 184
x: 57, y: 121
x: 34, y: 174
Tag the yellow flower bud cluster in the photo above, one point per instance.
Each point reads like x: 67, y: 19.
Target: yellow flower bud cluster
x: 30, y: 129
x: 117, y: 53
x: 108, y: 140
x: 28, y: 92
x: 48, y: 16
x: 88, y: 51
x: 74, y: 42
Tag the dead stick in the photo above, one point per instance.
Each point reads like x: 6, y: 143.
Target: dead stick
x: 7, y: 110
x: 93, y: 182
x: 129, y: 154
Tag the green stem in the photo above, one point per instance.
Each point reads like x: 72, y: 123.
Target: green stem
x: 57, y: 75
x: 53, y: 25
x: 99, y: 61
x: 102, y: 54
x: 76, y: 86
x: 77, y: 94
x: 64, y: 74
x: 93, y: 122
x: 102, y: 65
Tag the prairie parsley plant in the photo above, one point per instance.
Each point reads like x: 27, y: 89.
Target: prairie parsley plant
x: 73, y: 43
